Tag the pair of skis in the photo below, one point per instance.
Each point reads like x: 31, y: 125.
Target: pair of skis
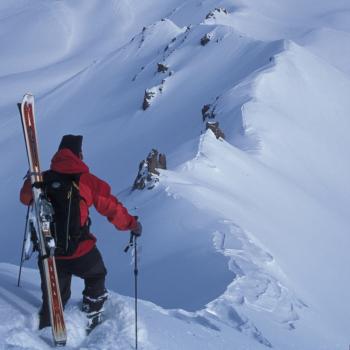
x: 41, y: 220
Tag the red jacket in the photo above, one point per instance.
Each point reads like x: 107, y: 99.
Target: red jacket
x: 94, y: 191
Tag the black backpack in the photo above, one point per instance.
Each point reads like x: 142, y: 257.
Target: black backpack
x: 62, y: 190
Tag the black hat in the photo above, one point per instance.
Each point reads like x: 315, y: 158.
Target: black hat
x: 73, y: 143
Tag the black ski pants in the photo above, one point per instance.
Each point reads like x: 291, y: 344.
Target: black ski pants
x: 89, y: 267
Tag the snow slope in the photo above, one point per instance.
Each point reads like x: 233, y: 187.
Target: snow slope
x: 170, y: 329
x: 245, y: 239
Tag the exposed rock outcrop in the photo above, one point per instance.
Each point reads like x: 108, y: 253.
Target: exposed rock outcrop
x: 162, y: 68
x: 217, y: 10
x: 205, y: 39
x: 147, y: 176
x: 149, y: 95
x: 214, y: 127
x: 207, y: 112
x: 152, y: 93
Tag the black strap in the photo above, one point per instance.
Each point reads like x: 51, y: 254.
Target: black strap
x: 130, y: 244
x: 38, y: 184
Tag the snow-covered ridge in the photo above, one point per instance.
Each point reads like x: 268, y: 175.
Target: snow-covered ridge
x: 248, y: 235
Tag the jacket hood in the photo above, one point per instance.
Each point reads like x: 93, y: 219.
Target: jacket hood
x: 65, y: 161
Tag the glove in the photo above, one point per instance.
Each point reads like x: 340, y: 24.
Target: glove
x: 138, y: 230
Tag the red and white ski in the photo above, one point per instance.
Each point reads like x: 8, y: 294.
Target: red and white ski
x: 43, y: 216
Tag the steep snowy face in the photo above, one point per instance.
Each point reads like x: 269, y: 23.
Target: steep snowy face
x: 249, y: 234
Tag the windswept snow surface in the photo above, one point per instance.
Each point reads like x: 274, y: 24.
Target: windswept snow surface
x: 245, y: 242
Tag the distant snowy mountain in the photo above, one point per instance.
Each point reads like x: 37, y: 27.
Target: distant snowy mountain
x: 246, y: 238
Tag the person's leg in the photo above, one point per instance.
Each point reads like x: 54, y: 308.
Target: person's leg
x: 44, y: 313
x: 91, y: 268
x: 64, y: 279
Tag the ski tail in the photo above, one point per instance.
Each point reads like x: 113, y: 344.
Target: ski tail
x: 56, y: 309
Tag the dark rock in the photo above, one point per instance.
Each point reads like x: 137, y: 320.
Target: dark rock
x: 147, y: 99
x: 214, y: 127
x: 207, y: 113
x: 162, y: 68
x: 147, y: 176
x: 205, y: 39
x: 211, y: 14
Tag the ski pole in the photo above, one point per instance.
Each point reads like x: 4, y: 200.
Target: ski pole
x: 133, y: 243
x: 24, y: 239
x: 136, y: 271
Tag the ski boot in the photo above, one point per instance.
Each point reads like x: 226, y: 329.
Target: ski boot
x: 93, y: 307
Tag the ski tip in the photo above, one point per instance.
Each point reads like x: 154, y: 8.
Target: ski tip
x: 28, y: 97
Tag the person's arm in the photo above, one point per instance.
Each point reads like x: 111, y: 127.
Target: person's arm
x: 26, y: 194
x: 109, y: 206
